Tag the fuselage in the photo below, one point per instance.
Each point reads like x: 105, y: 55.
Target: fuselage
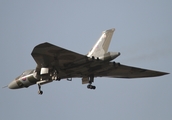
x: 30, y: 77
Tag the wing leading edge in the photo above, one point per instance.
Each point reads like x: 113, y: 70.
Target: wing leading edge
x: 123, y: 71
x: 49, y: 55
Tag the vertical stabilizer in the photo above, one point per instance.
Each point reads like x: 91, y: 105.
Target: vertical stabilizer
x: 102, y: 45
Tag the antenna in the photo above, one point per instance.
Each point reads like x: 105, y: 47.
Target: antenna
x: 5, y: 86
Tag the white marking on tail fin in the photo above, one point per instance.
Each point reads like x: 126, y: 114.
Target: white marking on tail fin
x: 102, y: 45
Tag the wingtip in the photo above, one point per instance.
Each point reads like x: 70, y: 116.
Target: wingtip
x: 162, y: 73
x: 166, y: 73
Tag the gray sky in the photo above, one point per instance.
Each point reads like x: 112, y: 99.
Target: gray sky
x: 143, y: 36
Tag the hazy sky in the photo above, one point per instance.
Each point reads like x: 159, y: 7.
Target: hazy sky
x: 143, y: 35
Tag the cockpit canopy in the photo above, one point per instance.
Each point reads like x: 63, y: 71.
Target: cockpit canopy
x: 27, y: 72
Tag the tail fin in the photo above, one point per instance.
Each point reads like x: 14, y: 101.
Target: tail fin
x: 102, y: 45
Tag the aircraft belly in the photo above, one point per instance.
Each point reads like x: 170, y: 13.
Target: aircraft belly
x: 84, y: 70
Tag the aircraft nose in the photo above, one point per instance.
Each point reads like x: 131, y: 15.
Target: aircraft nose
x: 13, y: 85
